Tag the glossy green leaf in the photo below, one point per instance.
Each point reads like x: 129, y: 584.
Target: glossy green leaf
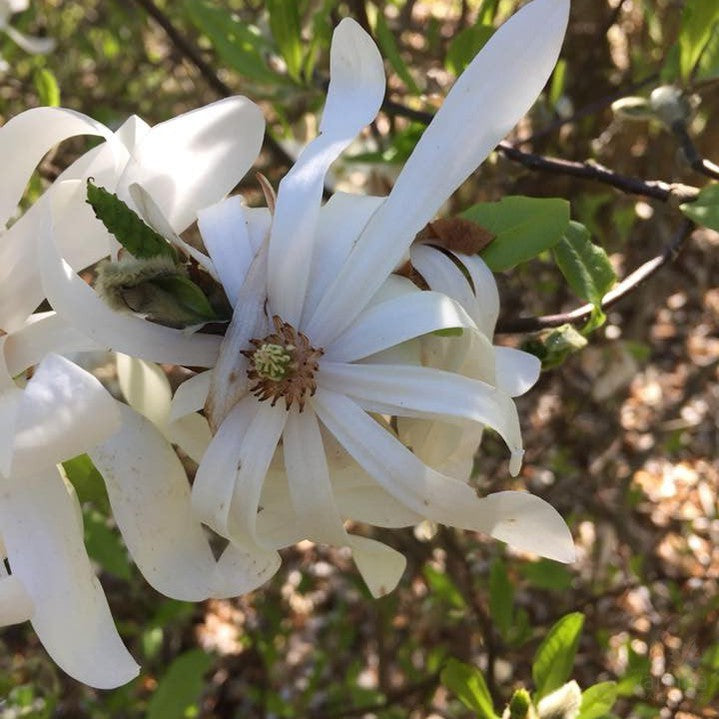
x: 138, y: 238
x: 104, y: 545
x: 181, y: 687
x: 598, y: 700
x: 388, y: 44
x: 465, y: 45
x: 547, y: 574
x: 237, y: 44
x: 523, y: 228
x: 698, y: 20
x: 286, y: 31
x: 48, y: 91
x: 468, y: 684
x: 585, y: 265
x: 705, y: 209
x: 501, y: 598
x: 553, y: 662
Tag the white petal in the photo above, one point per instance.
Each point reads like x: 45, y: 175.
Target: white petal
x: 226, y: 235
x: 150, y: 498
x: 45, y: 547
x: 195, y: 159
x: 145, y: 387
x: 528, y: 523
x: 389, y: 323
x: 516, y: 371
x: 309, y: 480
x: 354, y: 96
x: 42, y: 333
x: 78, y: 303
x: 381, y: 566
x: 373, y: 505
x: 192, y: 434
x: 485, y: 290
x: 340, y: 223
x: 52, y: 421
x: 423, y: 392
x: 190, y: 395
x: 29, y: 43
x: 25, y: 138
x: 15, y: 603
x: 492, y: 94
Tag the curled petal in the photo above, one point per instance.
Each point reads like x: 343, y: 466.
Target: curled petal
x: 516, y: 371
x: 190, y: 396
x: 15, y: 603
x: 145, y: 387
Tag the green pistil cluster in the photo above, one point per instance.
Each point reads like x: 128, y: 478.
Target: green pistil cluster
x: 273, y: 362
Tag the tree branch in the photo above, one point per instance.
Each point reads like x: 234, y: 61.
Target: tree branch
x: 625, y: 287
x: 697, y: 162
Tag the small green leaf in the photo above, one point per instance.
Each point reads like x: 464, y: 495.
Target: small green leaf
x: 708, y: 68
x: 87, y: 481
x: 468, y: 684
x: 388, y: 44
x: 554, y: 659
x: 598, y: 700
x: 554, y: 346
x: 523, y: 227
x: 138, y: 238
x: 709, y: 673
x: 465, y: 45
x: 501, y: 598
x: 488, y: 12
x: 104, y: 546
x: 584, y: 265
x: 698, y: 20
x: 48, y: 90
x: 180, y: 688
x: 705, y: 209
x: 443, y: 587
x: 286, y: 30
x: 188, y: 296
x: 239, y: 45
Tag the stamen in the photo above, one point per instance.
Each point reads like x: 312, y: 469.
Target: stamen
x: 272, y: 361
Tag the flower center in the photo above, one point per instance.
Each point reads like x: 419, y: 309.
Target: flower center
x: 283, y: 364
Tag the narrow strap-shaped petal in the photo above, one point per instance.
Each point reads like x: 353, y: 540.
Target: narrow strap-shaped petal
x: 42, y: 333
x: 491, y: 95
x: 190, y: 395
x: 53, y: 417
x: 432, y: 494
x: 195, y: 159
x: 380, y: 566
x: 516, y: 371
x: 374, y: 505
x: 78, y: 303
x: 397, y: 320
x: 15, y: 603
x: 44, y: 542
x: 150, y: 498
x: 191, y: 434
x: 225, y: 232
x: 145, y: 387
x: 354, y: 96
x: 25, y: 138
x: 432, y: 393
x: 30, y: 43
x: 485, y: 290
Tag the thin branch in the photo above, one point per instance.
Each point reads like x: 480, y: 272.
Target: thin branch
x: 625, y: 287
x: 691, y: 152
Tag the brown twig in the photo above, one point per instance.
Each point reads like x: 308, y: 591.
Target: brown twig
x: 625, y: 287
x: 691, y: 152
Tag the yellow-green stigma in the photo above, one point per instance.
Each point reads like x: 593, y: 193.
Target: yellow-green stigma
x: 272, y: 361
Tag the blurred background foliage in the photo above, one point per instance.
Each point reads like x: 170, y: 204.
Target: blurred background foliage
x: 621, y: 437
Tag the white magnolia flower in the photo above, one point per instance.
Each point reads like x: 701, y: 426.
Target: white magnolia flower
x: 323, y: 344
x: 33, y: 45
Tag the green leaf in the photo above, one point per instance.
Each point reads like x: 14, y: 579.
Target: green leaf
x: 443, y: 587
x: 523, y: 227
x: 138, y: 238
x: 180, y: 688
x: 188, y: 296
x: 708, y: 68
x: 598, y: 700
x: 87, y: 481
x: 705, y: 209
x: 584, y: 265
x: 240, y: 46
x: 465, y: 45
x: 554, y: 659
x: 554, y: 346
x: 698, y: 20
x: 501, y: 598
x: 468, y: 684
x: 709, y: 673
x: 389, y: 48
x: 48, y: 90
x: 286, y: 30
x: 104, y: 546
x: 547, y: 574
